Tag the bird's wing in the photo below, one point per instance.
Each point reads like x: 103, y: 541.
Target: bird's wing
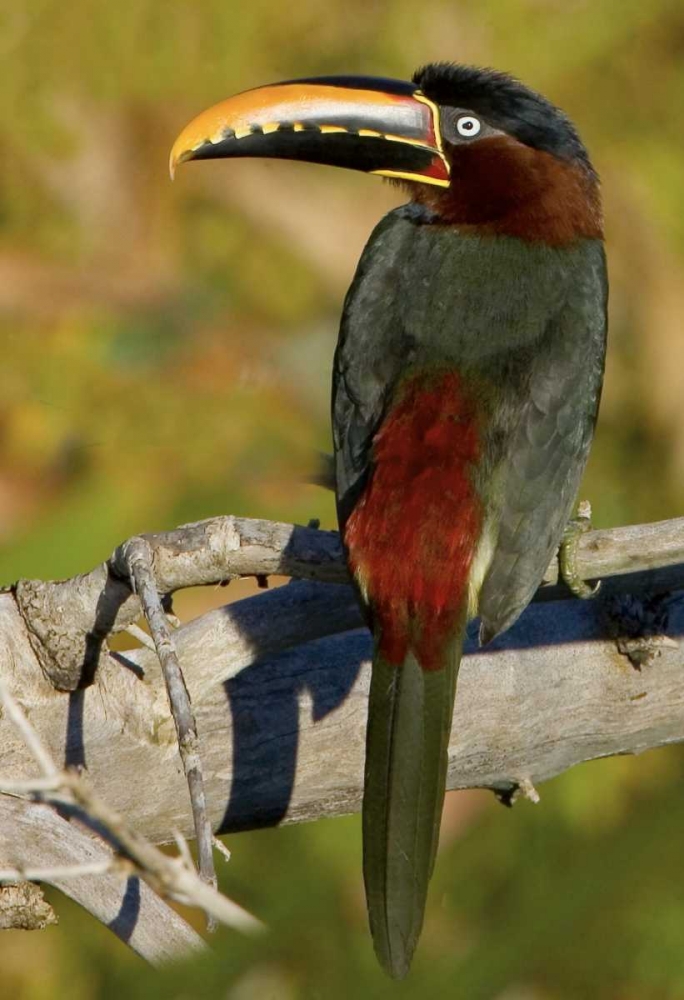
x: 372, y: 351
x: 545, y: 460
x: 355, y: 422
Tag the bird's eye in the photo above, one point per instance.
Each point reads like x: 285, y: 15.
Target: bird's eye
x: 468, y: 126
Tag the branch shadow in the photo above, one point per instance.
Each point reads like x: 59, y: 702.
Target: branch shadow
x: 610, y: 615
x: 115, y: 593
x: 266, y: 731
x: 125, y: 921
x: 74, y: 745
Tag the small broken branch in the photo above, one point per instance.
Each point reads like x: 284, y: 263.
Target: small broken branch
x: 55, y: 873
x: 35, y: 833
x: 137, y: 555
x: 172, y: 877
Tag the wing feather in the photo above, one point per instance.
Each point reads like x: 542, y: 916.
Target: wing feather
x: 547, y: 456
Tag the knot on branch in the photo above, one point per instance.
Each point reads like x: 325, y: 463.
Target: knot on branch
x: 23, y: 907
x: 68, y: 622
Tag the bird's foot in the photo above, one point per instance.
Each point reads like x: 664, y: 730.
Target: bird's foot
x: 567, y: 553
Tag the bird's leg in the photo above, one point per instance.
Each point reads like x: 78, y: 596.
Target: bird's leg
x: 567, y: 553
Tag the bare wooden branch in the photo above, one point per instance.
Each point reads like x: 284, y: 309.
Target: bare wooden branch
x: 281, y: 719
x: 68, y: 621
x: 222, y: 548
x: 138, y: 558
x: 279, y: 688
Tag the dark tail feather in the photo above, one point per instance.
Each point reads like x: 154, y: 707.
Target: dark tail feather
x: 409, y: 721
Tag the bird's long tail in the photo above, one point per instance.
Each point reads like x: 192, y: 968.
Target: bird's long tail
x: 409, y: 722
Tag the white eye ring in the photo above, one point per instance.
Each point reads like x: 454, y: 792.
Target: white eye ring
x: 468, y: 126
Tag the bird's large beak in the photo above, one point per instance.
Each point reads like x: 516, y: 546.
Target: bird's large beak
x: 385, y: 127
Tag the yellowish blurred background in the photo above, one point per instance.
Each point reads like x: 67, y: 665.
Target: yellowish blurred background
x: 165, y: 357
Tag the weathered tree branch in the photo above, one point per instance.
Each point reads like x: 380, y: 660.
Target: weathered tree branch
x: 279, y: 681
x: 279, y: 685
x: 68, y: 621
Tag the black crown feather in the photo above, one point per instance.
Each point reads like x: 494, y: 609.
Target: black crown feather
x: 506, y: 104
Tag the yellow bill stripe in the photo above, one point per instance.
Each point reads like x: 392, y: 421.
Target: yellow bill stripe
x: 401, y: 175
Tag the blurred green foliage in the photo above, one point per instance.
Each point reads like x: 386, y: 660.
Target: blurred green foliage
x: 166, y: 354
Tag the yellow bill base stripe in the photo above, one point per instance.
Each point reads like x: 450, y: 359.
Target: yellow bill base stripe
x: 418, y: 95
x: 401, y: 175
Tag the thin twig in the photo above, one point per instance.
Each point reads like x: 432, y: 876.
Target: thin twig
x: 147, y: 924
x: 221, y: 848
x: 171, y: 877
x: 49, y: 874
x: 183, y: 849
x: 528, y: 791
x: 137, y: 633
x: 27, y: 786
x: 138, y: 555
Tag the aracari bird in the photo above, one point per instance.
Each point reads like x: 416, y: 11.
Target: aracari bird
x: 466, y: 385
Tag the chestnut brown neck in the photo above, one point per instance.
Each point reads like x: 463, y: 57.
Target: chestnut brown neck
x: 500, y: 186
